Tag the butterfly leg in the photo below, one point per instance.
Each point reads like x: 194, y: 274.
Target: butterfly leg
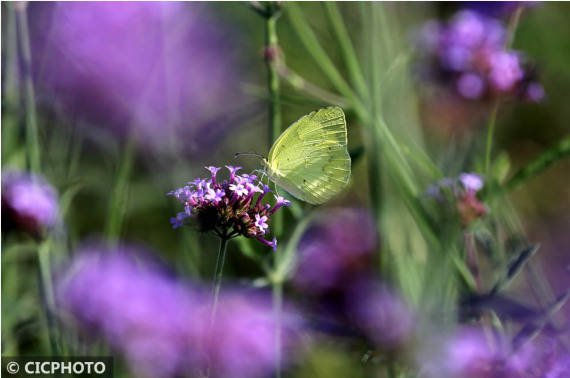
x: 263, y: 174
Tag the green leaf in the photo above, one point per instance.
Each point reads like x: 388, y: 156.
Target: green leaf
x: 540, y: 164
x: 501, y: 167
x: 515, y: 267
x: 531, y: 330
x: 67, y: 197
x: 246, y: 247
x: 464, y: 273
x: 347, y: 48
x: 287, y: 258
x: 319, y: 54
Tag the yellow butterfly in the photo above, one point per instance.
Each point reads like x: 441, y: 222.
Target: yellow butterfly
x: 310, y: 158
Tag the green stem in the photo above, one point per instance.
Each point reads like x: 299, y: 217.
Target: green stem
x: 346, y: 48
x: 272, y: 59
x: 32, y: 140
x: 283, y: 263
x: 513, y: 24
x: 490, y: 132
x: 47, y: 291
x: 272, y: 52
x: 217, y: 284
x: 11, y: 92
x: 375, y: 147
x: 33, y: 150
x: 272, y: 48
x: 277, y: 311
x: 119, y: 198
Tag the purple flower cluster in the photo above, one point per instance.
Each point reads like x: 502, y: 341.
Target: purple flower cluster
x: 468, y: 54
x: 335, y: 250
x: 469, y: 353
x: 381, y: 313
x: 229, y: 208
x: 241, y: 342
x: 29, y: 200
x: 146, y: 66
x: 335, y: 269
x: 464, y: 183
x: 138, y: 309
x: 462, y: 191
x: 162, y: 326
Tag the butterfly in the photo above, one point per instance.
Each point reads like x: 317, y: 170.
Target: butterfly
x: 310, y: 158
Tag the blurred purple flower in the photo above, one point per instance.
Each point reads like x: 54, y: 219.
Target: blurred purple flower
x: 338, y: 247
x: 138, y: 308
x: 382, y: 314
x: 560, y: 368
x: 161, y: 325
x: 535, y: 92
x: 466, y: 29
x: 468, y: 55
x: 470, y: 354
x: 434, y: 190
x: 241, y: 342
x: 505, y: 70
x: 165, y: 69
x: 227, y: 208
x: 470, y: 86
x: 29, y: 200
x: 471, y: 181
x: 460, y: 195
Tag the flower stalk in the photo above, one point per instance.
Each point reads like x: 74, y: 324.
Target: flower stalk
x: 33, y: 154
x: 272, y: 53
x: 32, y: 139
x: 217, y: 282
x: 513, y: 24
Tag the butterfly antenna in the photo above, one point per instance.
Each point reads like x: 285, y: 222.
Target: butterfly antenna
x: 238, y: 154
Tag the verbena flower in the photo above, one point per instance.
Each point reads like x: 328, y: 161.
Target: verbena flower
x: 241, y: 342
x: 162, y: 325
x: 335, y: 251
x: 471, y: 181
x: 29, y: 200
x: 468, y: 353
x: 467, y: 54
x: 228, y: 208
x: 462, y: 192
x: 160, y: 68
x: 134, y: 305
x: 380, y: 313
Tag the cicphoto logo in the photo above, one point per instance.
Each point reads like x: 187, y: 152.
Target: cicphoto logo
x: 49, y: 367
x: 58, y: 366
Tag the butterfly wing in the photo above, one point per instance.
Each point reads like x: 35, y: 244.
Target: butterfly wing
x: 310, y: 159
